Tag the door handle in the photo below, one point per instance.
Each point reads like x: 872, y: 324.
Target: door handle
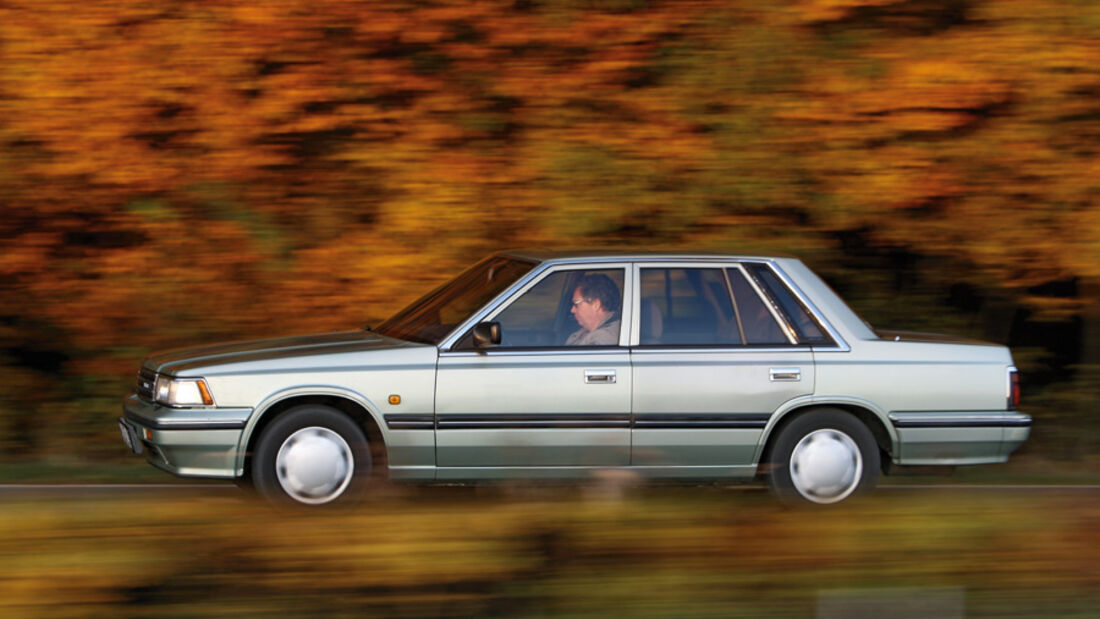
x: 599, y: 377
x: 785, y: 374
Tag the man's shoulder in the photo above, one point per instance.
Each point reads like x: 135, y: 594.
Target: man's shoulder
x: 608, y: 333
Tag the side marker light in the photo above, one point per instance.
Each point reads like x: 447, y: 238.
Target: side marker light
x: 207, y: 399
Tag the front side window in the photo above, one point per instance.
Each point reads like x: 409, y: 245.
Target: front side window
x: 566, y: 308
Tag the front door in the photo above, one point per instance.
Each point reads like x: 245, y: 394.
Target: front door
x: 555, y: 393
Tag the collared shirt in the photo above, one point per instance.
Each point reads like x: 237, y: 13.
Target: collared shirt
x: 606, y: 334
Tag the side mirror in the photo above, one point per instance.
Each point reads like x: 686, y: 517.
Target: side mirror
x: 486, y: 334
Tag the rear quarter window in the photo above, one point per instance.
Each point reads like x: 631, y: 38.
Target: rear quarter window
x: 806, y: 327
x: 758, y: 323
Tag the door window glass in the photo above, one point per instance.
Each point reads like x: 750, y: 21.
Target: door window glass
x: 757, y: 322
x: 686, y: 307
x: 565, y: 308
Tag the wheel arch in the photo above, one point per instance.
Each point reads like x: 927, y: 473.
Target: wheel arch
x: 355, y: 406
x: 875, y: 420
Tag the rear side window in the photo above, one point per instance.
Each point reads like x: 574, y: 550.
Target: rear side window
x: 755, y: 320
x: 687, y: 307
x: 807, y: 328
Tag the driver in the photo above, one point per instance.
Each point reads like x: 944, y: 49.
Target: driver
x: 595, y: 308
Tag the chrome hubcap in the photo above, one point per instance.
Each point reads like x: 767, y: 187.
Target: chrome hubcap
x: 314, y: 465
x: 826, y: 466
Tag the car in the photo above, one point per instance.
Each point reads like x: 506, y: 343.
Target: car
x: 559, y: 364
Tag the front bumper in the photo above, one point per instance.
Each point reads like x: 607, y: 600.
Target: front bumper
x: 190, y: 442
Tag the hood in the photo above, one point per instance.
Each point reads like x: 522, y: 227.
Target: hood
x: 182, y: 359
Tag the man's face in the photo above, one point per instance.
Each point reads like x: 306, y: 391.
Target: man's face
x: 589, y: 314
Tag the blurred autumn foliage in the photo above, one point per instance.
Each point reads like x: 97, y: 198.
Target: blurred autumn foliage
x: 548, y: 552
x: 177, y: 171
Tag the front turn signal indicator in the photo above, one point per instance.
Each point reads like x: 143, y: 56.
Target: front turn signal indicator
x: 204, y: 391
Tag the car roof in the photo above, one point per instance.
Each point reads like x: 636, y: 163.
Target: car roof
x: 591, y: 255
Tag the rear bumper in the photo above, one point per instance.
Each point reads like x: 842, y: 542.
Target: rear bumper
x: 198, y: 442
x: 958, y: 438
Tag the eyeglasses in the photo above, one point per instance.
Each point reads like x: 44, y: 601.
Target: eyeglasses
x: 578, y: 302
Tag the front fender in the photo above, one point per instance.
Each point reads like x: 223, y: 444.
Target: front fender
x: 278, y: 397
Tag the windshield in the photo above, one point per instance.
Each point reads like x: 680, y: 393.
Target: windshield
x: 433, y: 316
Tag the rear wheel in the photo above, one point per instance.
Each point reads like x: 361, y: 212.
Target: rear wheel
x: 312, y: 455
x: 824, y: 456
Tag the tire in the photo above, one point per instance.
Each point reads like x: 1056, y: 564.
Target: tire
x: 822, y: 457
x: 313, y: 456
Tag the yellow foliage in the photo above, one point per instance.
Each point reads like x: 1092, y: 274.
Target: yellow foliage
x: 828, y: 10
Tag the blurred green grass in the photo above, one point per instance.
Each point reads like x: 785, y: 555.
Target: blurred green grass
x: 546, y: 551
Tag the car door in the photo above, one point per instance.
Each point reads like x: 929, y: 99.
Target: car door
x: 712, y: 362
x: 536, y: 400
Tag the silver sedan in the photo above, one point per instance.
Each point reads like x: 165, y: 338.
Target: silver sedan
x: 561, y: 365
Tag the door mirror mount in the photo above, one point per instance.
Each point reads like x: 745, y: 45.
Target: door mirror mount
x: 486, y: 334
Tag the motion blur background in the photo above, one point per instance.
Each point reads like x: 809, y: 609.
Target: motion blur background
x: 174, y: 172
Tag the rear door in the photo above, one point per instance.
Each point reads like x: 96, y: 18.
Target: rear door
x: 712, y: 361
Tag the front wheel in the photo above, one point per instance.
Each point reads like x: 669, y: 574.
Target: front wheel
x: 824, y: 456
x: 312, y: 455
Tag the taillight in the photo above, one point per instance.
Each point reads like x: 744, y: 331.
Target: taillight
x: 1013, y: 388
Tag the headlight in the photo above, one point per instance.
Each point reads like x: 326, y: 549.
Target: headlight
x: 183, y: 392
